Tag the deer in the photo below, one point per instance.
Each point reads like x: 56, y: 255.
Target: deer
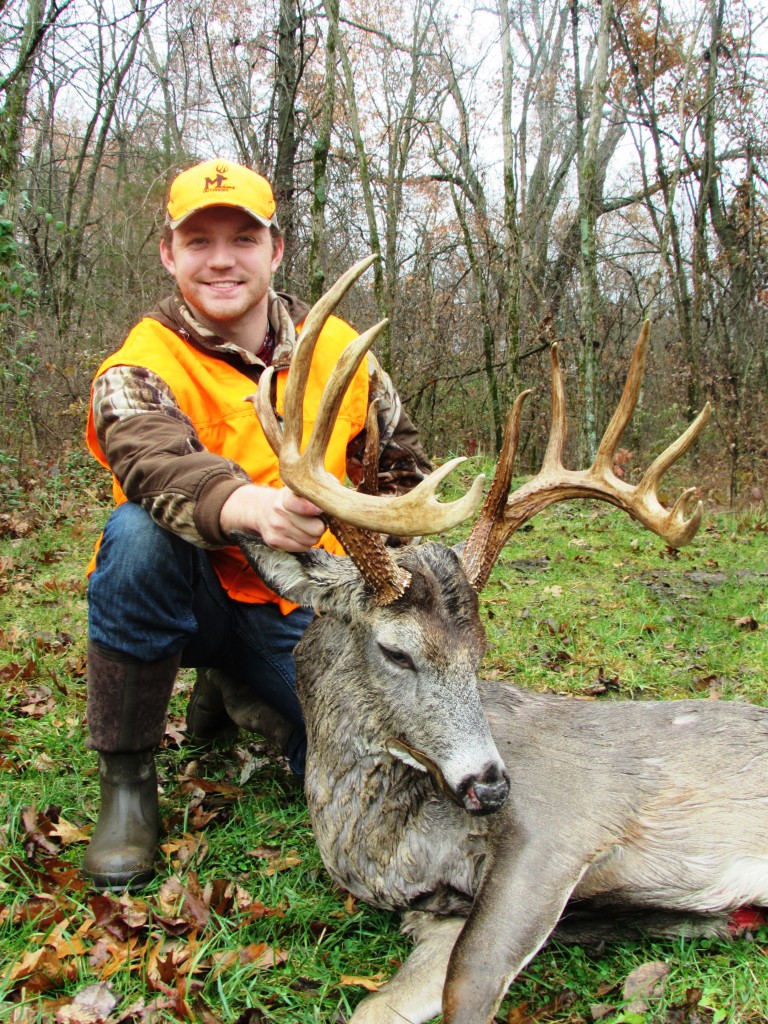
x: 490, y: 816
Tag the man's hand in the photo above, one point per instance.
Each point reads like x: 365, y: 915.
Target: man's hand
x: 282, y: 519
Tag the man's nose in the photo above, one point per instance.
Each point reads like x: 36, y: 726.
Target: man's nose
x: 220, y: 254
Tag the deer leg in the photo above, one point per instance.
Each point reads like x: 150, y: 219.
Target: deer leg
x: 414, y: 994
x: 523, y: 893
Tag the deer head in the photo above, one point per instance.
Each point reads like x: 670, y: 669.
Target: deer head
x: 410, y: 620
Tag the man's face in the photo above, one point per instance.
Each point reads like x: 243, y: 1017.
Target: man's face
x: 223, y: 262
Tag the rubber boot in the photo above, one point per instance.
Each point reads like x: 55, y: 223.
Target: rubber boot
x: 219, y: 703
x: 207, y: 720
x: 121, y: 852
x: 127, y: 707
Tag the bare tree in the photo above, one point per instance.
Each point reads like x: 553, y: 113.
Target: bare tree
x: 24, y: 31
x: 589, y: 196
x: 320, y: 154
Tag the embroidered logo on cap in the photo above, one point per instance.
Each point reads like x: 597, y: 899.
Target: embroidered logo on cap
x: 217, y: 184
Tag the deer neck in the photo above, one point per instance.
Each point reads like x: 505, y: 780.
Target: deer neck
x: 377, y: 821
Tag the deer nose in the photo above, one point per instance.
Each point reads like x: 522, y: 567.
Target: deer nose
x: 486, y: 793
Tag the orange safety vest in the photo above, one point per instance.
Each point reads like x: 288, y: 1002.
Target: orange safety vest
x: 212, y: 393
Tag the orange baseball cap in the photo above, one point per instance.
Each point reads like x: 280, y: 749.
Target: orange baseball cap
x: 220, y: 183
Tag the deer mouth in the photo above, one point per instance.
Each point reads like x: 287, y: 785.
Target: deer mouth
x: 478, y: 794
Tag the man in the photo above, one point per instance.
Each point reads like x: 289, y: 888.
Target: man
x: 191, y: 465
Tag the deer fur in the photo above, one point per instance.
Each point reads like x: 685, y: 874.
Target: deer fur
x: 493, y: 816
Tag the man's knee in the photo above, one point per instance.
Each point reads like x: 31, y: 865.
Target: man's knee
x: 140, y: 594
x: 134, y: 546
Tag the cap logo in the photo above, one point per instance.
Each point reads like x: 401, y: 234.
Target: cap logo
x: 217, y: 184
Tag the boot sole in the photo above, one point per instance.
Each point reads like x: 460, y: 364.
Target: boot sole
x: 120, y: 883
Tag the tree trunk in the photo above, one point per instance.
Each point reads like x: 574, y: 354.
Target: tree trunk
x: 384, y: 345
x: 588, y: 204
x: 320, y: 154
x: 286, y: 84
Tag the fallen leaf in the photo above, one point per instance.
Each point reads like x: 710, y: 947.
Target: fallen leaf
x: 91, y: 1005
x: 183, y: 905
x: 747, y: 622
x: 278, y: 861
x: 599, y: 1010
x: 221, y: 788
x: 350, y: 904
x: 69, y: 833
x: 189, y: 849
x: 645, y: 982
x: 257, y: 955
x: 373, y: 984
x: 42, y: 970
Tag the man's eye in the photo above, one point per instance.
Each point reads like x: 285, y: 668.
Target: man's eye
x: 399, y: 658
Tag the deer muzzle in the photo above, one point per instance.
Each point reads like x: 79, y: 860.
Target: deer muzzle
x: 486, y: 793
x: 483, y: 793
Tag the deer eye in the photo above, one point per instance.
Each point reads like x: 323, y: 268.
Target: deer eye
x: 399, y: 658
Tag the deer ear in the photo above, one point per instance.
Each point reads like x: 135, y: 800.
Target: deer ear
x: 315, y: 579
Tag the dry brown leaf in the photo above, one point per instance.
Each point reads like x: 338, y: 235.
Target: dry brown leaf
x: 120, y: 917
x: 184, y: 905
x: 189, y: 849
x: 64, y: 942
x: 373, y: 984
x: 747, y: 622
x: 91, y: 1005
x: 207, y: 786
x: 69, y: 833
x: 519, y: 1014
x: 350, y: 904
x: 258, y: 955
x: 278, y: 861
x: 600, y: 1010
x: 645, y: 982
x: 42, y: 970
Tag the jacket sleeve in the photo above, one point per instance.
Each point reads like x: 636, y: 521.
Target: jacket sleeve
x: 403, y: 463
x: 157, y: 457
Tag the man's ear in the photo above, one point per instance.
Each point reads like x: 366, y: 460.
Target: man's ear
x: 278, y: 247
x: 166, y: 258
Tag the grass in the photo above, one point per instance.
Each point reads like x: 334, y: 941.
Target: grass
x: 242, y: 923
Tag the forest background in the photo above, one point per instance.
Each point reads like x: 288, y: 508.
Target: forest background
x: 528, y: 170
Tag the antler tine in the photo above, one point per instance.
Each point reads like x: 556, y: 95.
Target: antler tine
x: 627, y: 404
x: 658, y: 468
x: 679, y: 530
x: 407, y: 515
x: 287, y: 443
x: 335, y: 389
x: 490, y: 531
x: 369, y: 482
x: 553, y: 483
x: 553, y: 456
x: 296, y: 384
x: 267, y: 416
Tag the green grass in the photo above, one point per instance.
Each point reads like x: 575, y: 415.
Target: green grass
x: 582, y: 602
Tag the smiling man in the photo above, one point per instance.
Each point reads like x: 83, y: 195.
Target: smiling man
x: 190, y: 465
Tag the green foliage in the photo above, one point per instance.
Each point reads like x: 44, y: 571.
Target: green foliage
x: 18, y: 359
x: 583, y: 602
x: 18, y: 292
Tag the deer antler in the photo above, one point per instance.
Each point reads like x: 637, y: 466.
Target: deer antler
x: 501, y: 516
x: 355, y: 517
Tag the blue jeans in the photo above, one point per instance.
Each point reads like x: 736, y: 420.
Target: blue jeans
x: 153, y: 595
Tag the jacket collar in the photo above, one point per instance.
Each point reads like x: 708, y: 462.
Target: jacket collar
x: 283, y: 313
